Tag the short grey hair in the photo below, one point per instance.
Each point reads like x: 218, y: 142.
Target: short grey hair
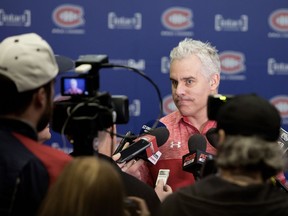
x: 250, y: 153
x: 207, y: 54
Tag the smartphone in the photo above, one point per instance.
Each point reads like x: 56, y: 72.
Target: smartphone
x: 133, y: 150
x: 163, y: 174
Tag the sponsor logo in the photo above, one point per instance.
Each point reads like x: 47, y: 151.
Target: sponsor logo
x: 281, y: 103
x: 222, y: 24
x: 275, y: 67
x: 278, y: 21
x: 140, y: 64
x: 178, y: 20
x: 232, y: 63
x: 168, y: 104
x: 121, y: 22
x: 165, y: 65
x: 21, y: 20
x: 202, y: 157
x: 189, y: 159
x: 175, y: 144
x: 135, y: 108
x: 68, y: 18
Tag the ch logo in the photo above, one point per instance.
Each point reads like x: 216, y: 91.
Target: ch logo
x: 175, y: 144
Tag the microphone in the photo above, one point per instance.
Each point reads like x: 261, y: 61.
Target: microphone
x: 146, y: 146
x: 129, y: 136
x: 209, y: 167
x: 283, y: 142
x: 150, y: 124
x: 194, y: 160
x: 212, y: 137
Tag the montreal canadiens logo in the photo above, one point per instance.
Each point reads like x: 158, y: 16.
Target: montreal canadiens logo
x: 177, y: 18
x: 168, y: 104
x: 281, y: 103
x: 278, y: 20
x: 232, y: 62
x: 68, y: 16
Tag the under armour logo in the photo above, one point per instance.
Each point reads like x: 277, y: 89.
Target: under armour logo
x: 177, y: 144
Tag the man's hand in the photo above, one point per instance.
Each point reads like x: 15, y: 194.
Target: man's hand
x: 141, y: 209
x: 131, y: 167
x: 162, y: 190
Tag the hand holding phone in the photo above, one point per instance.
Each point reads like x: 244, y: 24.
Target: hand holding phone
x: 163, y: 174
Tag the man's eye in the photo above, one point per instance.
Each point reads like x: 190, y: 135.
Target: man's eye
x: 189, y: 81
x: 174, y: 83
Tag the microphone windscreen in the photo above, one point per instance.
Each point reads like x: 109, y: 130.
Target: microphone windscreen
x: 212, y: 137
x: 161, y: 134
x: 197, y: 142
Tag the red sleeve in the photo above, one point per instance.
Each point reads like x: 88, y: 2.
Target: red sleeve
x: 281, y: 178
x: 54, y: 160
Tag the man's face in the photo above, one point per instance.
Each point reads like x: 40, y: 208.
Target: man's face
x: 45, y: 134
x: 190, y: 88
x: 73, y: 84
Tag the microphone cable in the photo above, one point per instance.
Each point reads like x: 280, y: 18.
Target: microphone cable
x: 106, y: 65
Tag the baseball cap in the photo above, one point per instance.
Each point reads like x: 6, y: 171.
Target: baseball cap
x: 29, y: 61
x: 248, y: 115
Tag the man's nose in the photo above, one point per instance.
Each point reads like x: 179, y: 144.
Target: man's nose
x: 180, y: 89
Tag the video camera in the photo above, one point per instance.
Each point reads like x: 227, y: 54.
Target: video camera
x: 214, y: 103
x: 84, y: 109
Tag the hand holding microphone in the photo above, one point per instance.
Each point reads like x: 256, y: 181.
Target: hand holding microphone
x: 130, y: 137
x: 127, y: 139
x: 131, y: 167
x: 145, y: 146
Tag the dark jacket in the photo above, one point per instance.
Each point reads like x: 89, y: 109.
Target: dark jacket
x: 135, y: 187
x: 213, y: 196
x: 132, y: 185
x: 27, y: 168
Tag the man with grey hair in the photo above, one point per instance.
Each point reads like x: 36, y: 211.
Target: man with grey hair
x: 248, y: 156
x: 194, y: 75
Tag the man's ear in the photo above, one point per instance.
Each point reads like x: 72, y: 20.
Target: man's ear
x: 40, y: 97
x: 221, y: 136
x: 214, y: 81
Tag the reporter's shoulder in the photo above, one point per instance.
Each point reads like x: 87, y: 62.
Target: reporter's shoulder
x: 53, y: 154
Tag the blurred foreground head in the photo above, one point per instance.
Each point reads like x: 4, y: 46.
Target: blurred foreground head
x: 251, y: 127
x: 87, y: 186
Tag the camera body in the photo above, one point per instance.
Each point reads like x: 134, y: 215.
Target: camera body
x: 85, y: 110
x: 215, y: 102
